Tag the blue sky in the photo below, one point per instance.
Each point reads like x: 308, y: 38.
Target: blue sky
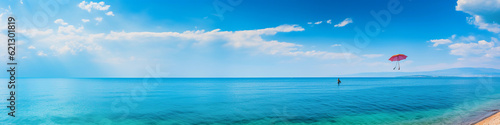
x: 257, y: 38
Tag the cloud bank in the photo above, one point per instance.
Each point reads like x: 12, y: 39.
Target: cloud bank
x: 485, y: 13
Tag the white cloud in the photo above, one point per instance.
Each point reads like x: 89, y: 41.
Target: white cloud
x: 3, y: 12
x: 60, y: 21
x: 70, y: 29
x: 68, y: 39
x: 343, y: 23
x: 202, y: 35
x: 335, y: 45
x: 74, y: 46
x: 98, y: 19
x: 93, y: 5
x: 440, y: 41
x: 484, y: 13
x: 21, y: 1
x: 85, y: 20
x: 321, y: 54
x: 62, y: 44
x: 40, y: 53
x: 373, y: 55
x: 110, y: 13
x: 481, y: 48
x: 31, y: 47
x: 319, y: 22
x: 72, y: 40
x: 486, y: 9
x: 36, y: 32
x: 467, y: 38
x: 237, y: 39
x: 451, y: 39
x: 478, y: 21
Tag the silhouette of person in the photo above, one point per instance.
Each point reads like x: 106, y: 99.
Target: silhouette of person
x: 338, y: 81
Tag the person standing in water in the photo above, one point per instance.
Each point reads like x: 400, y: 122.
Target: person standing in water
x: 338, y: 81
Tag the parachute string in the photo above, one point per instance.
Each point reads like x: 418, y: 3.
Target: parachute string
x: 397, y: 57
x: 395, y: 66
x: 399, y: 66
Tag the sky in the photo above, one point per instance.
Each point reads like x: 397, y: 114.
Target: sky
x: 249, y: 38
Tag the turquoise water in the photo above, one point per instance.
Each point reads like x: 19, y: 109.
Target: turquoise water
x: 252, y: 100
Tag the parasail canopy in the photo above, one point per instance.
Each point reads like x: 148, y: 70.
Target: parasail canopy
x: 398, y: 57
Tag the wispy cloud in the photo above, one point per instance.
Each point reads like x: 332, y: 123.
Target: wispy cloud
x: 239, y: 39
x: 373, y: 55
x: 110, y: 13
x: 70, y: 29
x: 249, y: 39
x: 440, y: 41
x: 450, y: 39
x: 40, y: 53
x: 36, y: 32
x: 315, y: 23
x: 98, y: 19
x: 335, y: 45
x: 60, y: 21
x: 85, y: 20
x: 344, y: 23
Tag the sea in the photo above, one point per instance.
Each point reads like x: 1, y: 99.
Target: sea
x: 235, y: 101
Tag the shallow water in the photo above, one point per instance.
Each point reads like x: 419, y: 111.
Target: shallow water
x: 252, y: 100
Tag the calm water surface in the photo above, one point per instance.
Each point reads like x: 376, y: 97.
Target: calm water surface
x: 252, y: 100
